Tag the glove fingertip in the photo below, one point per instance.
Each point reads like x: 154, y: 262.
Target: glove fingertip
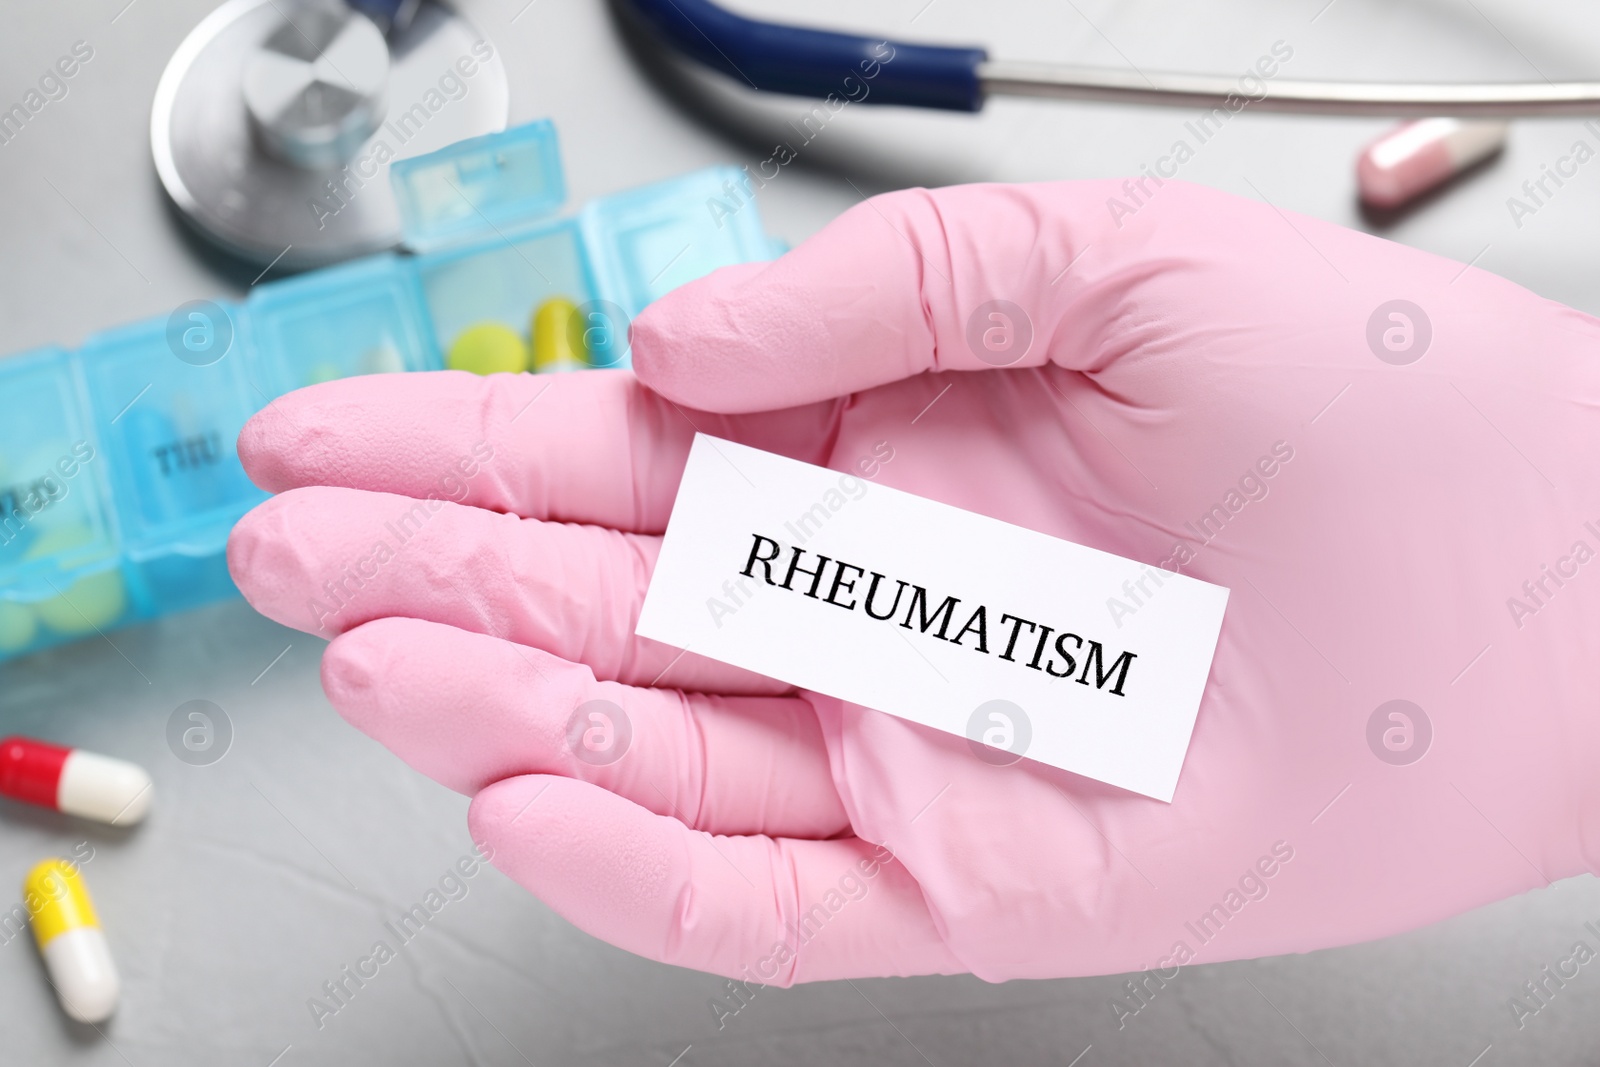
x: 257, y: 454
x: 696, y: 346
x: 497, y: 805
x: 353, y: 665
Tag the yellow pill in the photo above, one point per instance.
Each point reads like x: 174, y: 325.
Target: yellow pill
x: 67, y: 930
x: 558, y: 337
x: 488, y: 348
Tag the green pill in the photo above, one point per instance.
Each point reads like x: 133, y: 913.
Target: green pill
x: 88, y: 604
x: 18, y: 626
x: 323, y: 372
x: 91, y: 602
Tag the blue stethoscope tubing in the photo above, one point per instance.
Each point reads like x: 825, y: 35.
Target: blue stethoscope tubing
x: 801, y: 61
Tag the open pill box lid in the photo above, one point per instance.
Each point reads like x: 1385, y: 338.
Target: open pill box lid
x: 640, y: 243
x: 481, y: 184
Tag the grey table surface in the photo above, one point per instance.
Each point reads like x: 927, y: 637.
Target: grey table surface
x: 259, y: 877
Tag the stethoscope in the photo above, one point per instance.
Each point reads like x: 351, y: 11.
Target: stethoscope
x: 808, y: 62
x: 267, y: 104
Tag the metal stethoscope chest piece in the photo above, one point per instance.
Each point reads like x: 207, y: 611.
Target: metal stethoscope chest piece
x: 314, y: 88
x: 275, y: 121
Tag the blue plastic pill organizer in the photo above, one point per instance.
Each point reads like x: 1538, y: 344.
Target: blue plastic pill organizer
x: 118, y: 476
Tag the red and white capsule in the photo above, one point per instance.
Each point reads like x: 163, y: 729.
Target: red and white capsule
x: 79, y: 783
x: 1417, y: 156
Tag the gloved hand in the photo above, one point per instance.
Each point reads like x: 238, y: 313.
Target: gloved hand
x: 1400, y: 506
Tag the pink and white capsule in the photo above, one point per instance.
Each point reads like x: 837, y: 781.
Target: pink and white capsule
x: 80, y: 783
x: 1417, y: 156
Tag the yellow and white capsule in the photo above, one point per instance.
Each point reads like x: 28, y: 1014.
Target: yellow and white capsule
x: 557, y: 332
x: 75, y: 952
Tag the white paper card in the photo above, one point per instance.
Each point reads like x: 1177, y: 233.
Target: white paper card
x: 945, y: 617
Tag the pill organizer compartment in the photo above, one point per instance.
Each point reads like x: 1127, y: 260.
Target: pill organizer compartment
x: 648, y: 241
x: 502, y: 280
x: 472, y: 213
x: 141, y: 528
x: 60, y: 573
x: 477, y: 215
x: 359, y: 318
x: 168, y: 429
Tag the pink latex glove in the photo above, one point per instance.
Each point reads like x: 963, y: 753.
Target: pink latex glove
x: 1176, y: 353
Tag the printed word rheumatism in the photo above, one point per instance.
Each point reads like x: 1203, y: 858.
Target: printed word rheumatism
x: 841, y: 592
